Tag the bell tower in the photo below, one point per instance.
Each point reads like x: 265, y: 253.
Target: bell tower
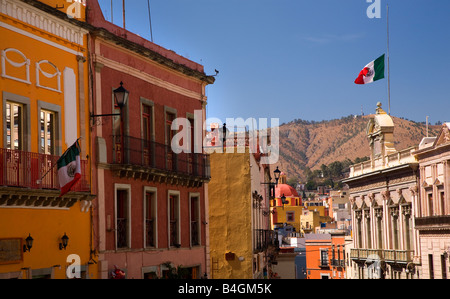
x: 380, y: 131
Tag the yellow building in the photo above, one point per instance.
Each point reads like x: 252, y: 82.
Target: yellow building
x: 241, y: 242
x: 45, y: 109
x: 287, y: 206
x: 312, y: 219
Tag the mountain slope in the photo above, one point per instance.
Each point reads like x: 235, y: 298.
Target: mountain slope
x: 306, y: 144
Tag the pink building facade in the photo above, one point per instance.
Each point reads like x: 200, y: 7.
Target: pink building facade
x: 151, y: 206
x: 433, y: 209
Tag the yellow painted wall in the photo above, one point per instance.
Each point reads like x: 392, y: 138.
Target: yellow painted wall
x: 312, y: 219
x: 320, y: 209
x: 282, y: 215
x: 230, y: 215
x: 37, y: 51
x: 46, y: 226
x: 73, y: 7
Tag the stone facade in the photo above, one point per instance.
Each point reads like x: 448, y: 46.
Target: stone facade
x: 433, y: 211
x: 383, y: 193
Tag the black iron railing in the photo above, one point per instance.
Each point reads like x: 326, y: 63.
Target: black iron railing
x: 36, y: 171
x: 145, y: 153
x: 264, y: 239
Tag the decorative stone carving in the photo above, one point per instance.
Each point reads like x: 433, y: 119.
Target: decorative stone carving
x: 386, y: 194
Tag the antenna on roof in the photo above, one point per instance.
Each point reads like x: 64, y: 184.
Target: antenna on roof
x: 112, y: 12
x: 123, y: 13
x: 150, y: 20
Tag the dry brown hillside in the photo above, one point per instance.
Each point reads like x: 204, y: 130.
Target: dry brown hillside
x: 311, y: 144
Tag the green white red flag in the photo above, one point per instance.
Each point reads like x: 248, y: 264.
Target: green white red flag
x: 372, y: 72
x: 69, y: 168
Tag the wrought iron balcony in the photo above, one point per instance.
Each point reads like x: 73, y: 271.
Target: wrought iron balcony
x: 34, y: 179
x: 264, y: 239
x: 25, y: 170
x: 337, y: 263
x: 143, y: 158
x: 324, y: 263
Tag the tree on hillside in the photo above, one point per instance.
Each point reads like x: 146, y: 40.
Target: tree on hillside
x: 330, y: 175
x: 292, y: 182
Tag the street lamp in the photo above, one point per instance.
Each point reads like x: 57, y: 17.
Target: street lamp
x: 64, y: 242
x: 28, y: 244
x: 120, y: 98
x: 277, y: 174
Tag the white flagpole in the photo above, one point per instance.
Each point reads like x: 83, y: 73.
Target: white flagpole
x: 388, y: 62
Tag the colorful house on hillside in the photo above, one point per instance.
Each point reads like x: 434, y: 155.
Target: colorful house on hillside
x: 151, y: 209
x: 286, y: 207
x: 45, y: 108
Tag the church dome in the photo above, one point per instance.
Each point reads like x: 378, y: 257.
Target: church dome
x: 286, y: 190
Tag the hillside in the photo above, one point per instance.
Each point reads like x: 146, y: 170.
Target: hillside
x: 310, y: 144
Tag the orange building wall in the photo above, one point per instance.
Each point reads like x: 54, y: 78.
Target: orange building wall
x: 313, y: 259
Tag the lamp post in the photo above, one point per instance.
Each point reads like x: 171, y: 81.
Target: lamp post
x: 121, y: 98
x: 283, y: 200
x: 277, y: 174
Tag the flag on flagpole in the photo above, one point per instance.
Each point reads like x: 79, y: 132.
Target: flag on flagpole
x: 372, y: 72
x: 69, y: 168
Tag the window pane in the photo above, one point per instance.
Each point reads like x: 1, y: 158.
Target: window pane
x: 150, y: 218
x: 122, y: 218
x: 14, y: 126
x: 47, y: 132
x: 8, y: 126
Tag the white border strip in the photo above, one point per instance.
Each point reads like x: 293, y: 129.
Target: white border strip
x: 40, y: 39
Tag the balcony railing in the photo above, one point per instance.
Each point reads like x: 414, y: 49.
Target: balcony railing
x: 35, y: 171
x: 149, y: 154
x: 391, y: 160
x: 195, y: 240
x: 324, y: 263
x: 337, y: 263
x: 264, y: 239
x: 387, y: 255
x: 122, y: 233
x: 150, y: 230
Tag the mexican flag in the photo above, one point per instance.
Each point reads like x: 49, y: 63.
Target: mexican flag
x: 372, y: 72
x: 69, y: 168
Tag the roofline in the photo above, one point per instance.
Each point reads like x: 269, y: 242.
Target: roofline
x: 413, y: 166
x: 148, y: 53
x: 132, y: 46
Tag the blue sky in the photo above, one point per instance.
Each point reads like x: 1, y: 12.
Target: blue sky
x: 298, y: 59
